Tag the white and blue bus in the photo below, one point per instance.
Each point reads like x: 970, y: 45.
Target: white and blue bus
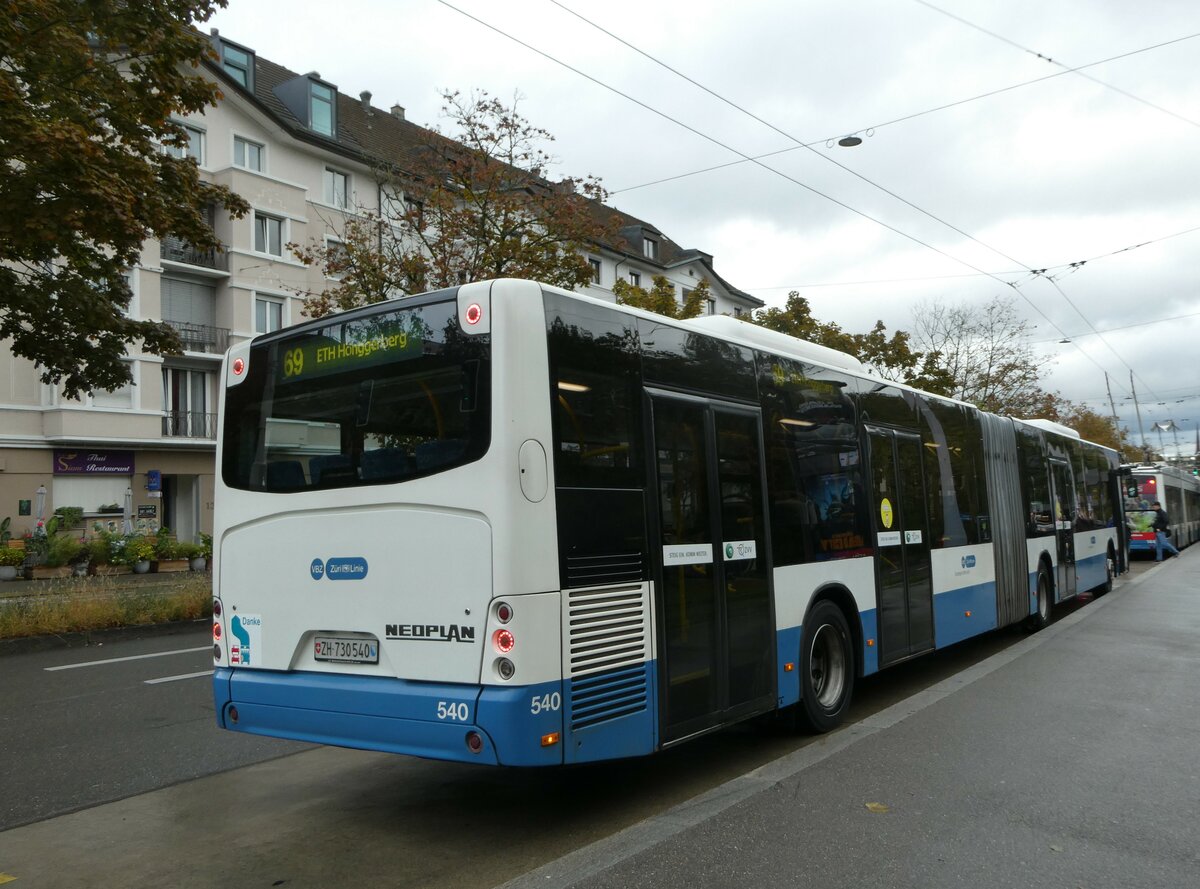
x: 508, y: 524
x: 1179, y: 493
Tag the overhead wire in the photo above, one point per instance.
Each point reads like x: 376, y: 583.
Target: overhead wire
x: 1054, y: 61
x: 737, y: 107
x: 906, y: 117
x: 787, y: 177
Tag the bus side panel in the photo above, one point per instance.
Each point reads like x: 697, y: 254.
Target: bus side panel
x: 1091, y: 555
x: 610, y: 709
x: 796, y: 587
x: 964, y: 592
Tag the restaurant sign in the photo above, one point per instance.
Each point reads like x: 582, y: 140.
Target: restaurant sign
x: 81, y: 462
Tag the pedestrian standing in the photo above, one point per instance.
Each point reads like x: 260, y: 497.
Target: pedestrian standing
x: 1161, y: 523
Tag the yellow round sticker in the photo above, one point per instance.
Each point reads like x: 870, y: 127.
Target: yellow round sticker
x: 885, y: 512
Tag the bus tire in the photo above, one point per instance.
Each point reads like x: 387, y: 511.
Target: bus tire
x: 1045, y: 601
x: 827, y: 668
x: 1110, y: 569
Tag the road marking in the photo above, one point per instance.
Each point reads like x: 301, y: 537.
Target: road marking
x: 132, y: 657
x: 176, y: 678
x: 6, y: 878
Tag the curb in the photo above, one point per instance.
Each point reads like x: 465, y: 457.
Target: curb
x: 28, y: 644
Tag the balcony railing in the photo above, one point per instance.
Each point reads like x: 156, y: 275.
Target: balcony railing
x: 201, y: 337
x: 178, y: 250
x: 189, y: 424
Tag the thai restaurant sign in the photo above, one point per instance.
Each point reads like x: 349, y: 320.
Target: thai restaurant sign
x: 83, y: 462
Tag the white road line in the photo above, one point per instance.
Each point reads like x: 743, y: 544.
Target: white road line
x: 176, y: 678
x: 132, y: 657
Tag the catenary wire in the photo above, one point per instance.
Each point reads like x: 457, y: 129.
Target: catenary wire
x: 1053, y: 61
x: 730, y: 103
x: 906, y: 117
x: 770, y: 169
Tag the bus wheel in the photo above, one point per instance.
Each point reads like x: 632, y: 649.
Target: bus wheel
x: 1110, y: 569
x: 826, y: 668
x: 1041, y: 617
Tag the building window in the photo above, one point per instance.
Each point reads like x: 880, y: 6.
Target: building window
x: 595, y: 264
x: 337, y: 188
x: 185, y: 403
x: 737, y: 313
x: 320, y: 109
x: 415, y: 210
x: 268, y: 234
x: 194, y: 148
x: 121, y: 397
x: 337, y: 259
x: 650, y: 248
x: 238, y: 64
x: 247, y: 154
x: 712, y: 307
x: 635, y: 279
x: 268, y: 315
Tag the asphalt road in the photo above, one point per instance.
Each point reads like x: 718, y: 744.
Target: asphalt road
x: 113, y: 730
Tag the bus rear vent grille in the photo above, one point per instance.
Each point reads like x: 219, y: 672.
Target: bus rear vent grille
x: 609, y: 645
x: 597, y: 570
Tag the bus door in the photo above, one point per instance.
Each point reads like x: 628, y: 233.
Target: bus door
x: 903, y: 564
x: 716, y: 625
x: 1064, y: 527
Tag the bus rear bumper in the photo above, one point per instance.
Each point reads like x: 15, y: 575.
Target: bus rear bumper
x: 388, y: 715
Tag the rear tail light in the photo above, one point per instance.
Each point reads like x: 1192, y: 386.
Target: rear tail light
x: 505, y: 668
x: 216, y: 607
x: 504, y: 612
x: 504, y: 641
x: 216, y: 630
x: 216, y: 652
x: 474, y: 742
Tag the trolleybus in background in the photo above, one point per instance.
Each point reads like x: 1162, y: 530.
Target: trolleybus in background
x: 504, y: 523
x: 1179, y: 493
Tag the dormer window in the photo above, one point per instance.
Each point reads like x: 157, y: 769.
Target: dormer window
x: 649, y: 248
x: 312, y: 102
x: 321, y: 113
x: 237, y: 61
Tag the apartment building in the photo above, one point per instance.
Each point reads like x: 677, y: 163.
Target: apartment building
x: 301, y: 153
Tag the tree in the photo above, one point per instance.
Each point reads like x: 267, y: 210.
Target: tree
x: 87, y: 95
x: 893, y: 358
x: 987, y: 356
x: 661, y: 297
x: 471, y: 206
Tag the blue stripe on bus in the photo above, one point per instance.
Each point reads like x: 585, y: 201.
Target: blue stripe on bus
x: 1091, y: 572
x: 394, y: 715
x: 611, y: 715
x: 787, y: 650
x: 951, y: 623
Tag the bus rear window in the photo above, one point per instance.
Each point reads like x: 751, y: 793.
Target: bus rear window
x: 366, y: 400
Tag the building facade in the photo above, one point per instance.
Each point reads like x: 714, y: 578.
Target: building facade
x: 302, y: 154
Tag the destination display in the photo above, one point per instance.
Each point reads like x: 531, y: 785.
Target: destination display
x: 350, y: 347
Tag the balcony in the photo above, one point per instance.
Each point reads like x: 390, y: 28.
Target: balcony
x: 177, y: 250
x: 201, y: 337
x: 189, y: 424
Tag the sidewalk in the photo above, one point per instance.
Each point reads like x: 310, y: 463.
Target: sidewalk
x: 1068, y: 760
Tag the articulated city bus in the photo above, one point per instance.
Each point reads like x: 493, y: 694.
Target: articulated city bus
x: 1179, y: 493
x: 507, y: 524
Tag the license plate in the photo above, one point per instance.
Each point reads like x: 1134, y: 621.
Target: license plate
x: 346, y: 649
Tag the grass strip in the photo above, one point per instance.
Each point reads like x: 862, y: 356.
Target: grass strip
x: 81, y: 605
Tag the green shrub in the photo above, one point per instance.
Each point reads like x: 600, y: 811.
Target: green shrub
x: 11, y: 558
x: 137, y: 549
x: 70, y: 516
x: 63, y: 551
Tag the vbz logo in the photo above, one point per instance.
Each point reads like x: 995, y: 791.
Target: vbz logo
x: 317, y: 569
x: 968, y: 561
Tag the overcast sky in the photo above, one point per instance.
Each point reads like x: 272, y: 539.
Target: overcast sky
x: 1035, y: 177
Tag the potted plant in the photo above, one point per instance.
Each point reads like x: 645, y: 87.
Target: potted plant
x: 105, y: 553
x: 61, y: 555
x: 203, y: 556
x: 10, y: 561
x: 137, y: 553
x: 169, y: 553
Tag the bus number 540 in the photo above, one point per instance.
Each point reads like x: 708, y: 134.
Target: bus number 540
x: 551, y: 701
x: 450, y: 710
